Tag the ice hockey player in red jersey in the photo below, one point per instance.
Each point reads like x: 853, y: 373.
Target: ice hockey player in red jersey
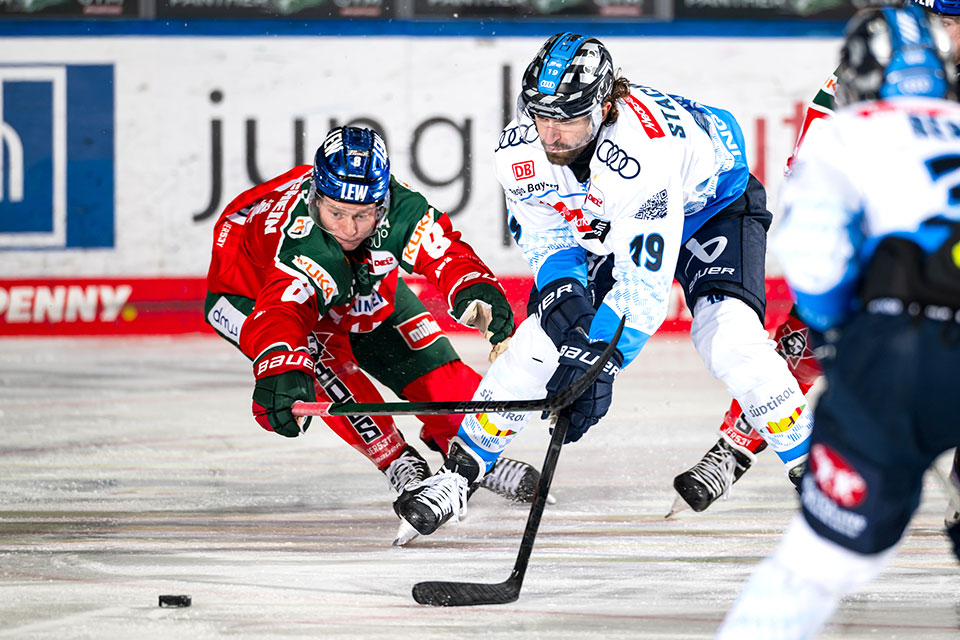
x: 304, y: 280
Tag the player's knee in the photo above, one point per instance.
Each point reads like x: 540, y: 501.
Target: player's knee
x: 527, y: 364
x: 734, y: 346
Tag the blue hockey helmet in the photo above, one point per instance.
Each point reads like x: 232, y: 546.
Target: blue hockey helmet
x: 352, y: 166
x: 568, y: 78
x: 895, y: 52
x: 941, y: 7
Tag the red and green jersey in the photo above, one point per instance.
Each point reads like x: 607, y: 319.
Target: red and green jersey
x: 269, y: 248
x: 821, y: 107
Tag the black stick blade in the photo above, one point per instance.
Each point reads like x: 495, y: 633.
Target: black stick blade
x: 464, y: 594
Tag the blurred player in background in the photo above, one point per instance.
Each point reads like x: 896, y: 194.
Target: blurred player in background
x: 304, y: 280
x: 613, y: 190
x: 870, y: 245
x: 739, y: 442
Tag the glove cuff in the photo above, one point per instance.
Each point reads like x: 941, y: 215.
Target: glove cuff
x: 279, y: 361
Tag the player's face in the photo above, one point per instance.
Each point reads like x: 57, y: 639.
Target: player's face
x: 952, y: 26
x: 563, y: 139
x: 350, y: 224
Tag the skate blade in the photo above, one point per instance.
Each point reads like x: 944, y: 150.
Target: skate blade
x: 679, y: 504
x: 405, y: 533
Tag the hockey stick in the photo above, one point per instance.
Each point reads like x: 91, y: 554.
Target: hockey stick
x: 460, y: 594
x: 551, y: 403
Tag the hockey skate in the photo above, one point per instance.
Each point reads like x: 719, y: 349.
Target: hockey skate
x: 515, y: 480
x: 408, y: 468
x: 426, y: 505
x: 711, y: 478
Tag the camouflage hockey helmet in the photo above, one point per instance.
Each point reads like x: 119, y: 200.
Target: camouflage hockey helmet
x: 569, y: 77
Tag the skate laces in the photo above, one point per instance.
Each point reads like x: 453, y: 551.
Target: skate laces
x: 716, y: 471
x: 505, y: 476
x: 444, y: 492
x: 406, y: 469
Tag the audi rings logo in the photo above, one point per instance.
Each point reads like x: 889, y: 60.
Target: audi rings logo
x: 514, y: 136
x: 618, y: 160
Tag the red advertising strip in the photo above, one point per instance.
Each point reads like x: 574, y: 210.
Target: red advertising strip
x: 102, y: 306
x: 165, y: 306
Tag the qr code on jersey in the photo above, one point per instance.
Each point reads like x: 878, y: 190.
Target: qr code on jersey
x: 654, y: 208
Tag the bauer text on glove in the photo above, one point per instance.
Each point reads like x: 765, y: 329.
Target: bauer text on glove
x: 577, y: 353
x: 283, y: 377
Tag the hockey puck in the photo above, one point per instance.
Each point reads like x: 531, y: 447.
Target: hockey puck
x: 175, y: 601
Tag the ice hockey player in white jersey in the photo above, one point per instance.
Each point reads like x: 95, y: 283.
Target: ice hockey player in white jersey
x: 870, y: 246
x: 614, y: 190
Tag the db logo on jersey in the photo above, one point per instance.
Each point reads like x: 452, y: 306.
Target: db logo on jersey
x: 420, y: 331
x: 523, y: 170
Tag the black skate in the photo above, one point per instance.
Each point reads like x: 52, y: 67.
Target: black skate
x: 513, y: 479
x: 408, y: 468
x: 427, y: 504
x: 711, y: 478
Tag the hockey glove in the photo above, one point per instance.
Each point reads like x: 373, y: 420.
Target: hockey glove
x: 564, y: 305
x: 283, y: 377
x: 484, y: 300
x: 576, y: 355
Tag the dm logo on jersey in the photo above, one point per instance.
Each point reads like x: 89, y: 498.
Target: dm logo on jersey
x: 420, y: 331
x: 836, y: 478
x: 523, y: 170
x: 784, y: 425
x: 56, y: 156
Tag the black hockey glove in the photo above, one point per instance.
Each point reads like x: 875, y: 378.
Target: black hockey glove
x: 576, y: 356
x: 283, y: 377
x: 564, y: 305
x: 492, y: 309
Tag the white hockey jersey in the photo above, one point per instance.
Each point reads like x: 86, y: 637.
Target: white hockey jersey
x: 657, y: 174
x: 874, y: 169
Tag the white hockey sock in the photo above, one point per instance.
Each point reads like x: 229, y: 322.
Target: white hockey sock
x: 521, y: 373
x: 738, y: 351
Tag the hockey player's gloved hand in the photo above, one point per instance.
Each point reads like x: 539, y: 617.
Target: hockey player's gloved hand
x: 484, y: 303
x: 283, y: 377
x: 576, y: 355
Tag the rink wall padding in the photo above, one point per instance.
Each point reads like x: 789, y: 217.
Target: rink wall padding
x: 121, y: 141
x: 169, y: 306
x: 152, y: 135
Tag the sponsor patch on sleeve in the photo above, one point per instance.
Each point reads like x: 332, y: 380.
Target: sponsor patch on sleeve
x: 320, y: 277
x: 649, y: 123
x: 416, y: 238
x: 300, y: 227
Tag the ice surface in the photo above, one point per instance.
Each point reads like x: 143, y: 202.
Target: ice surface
x: 131, y: 468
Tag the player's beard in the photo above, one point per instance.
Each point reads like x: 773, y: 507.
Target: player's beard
x: 563, y: 158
